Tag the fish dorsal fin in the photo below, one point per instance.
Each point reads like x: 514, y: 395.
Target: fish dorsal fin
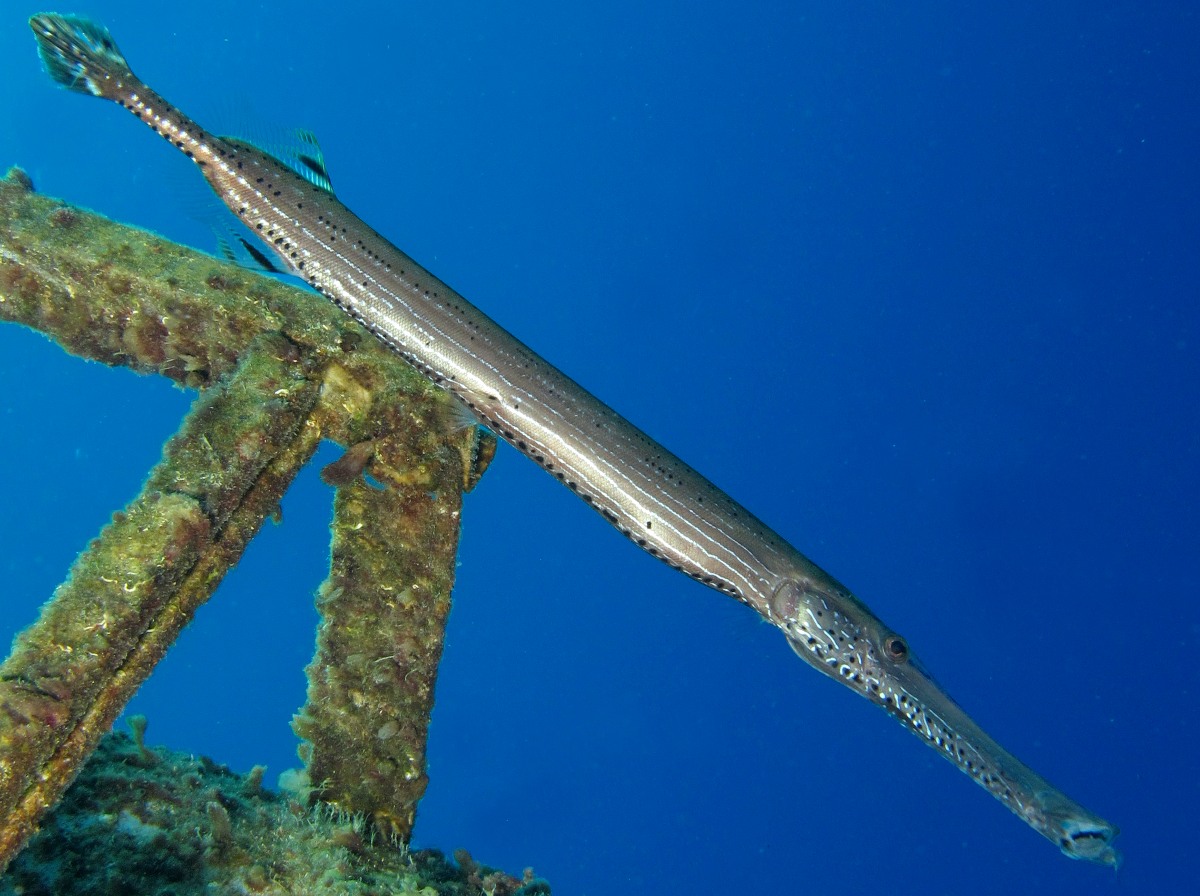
x: 310, y: 161
x: 301, y: 152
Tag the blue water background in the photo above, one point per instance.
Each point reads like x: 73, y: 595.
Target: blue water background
x: 916, y: 283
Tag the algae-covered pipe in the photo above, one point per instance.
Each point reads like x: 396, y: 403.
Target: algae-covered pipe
x: 139, y: 583
x: 384, y: 609
x: 289, y: 370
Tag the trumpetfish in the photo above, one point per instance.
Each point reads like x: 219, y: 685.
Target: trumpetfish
x: 650, y: 495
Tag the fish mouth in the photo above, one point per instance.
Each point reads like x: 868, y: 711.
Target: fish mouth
x: 1090, y: 840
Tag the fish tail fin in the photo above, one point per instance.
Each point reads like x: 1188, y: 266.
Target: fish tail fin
x: 81, y: 55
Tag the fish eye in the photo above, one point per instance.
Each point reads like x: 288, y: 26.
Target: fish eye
x: 896, y: 648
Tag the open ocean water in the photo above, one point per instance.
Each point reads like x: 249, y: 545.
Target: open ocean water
x: 917, y: 283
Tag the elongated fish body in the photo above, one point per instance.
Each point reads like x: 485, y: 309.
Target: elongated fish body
x: 651, y: 496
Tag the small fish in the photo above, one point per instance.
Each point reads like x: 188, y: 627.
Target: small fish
x: 652, y: 497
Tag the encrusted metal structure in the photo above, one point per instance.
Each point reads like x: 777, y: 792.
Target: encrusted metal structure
x: 278, y: 369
